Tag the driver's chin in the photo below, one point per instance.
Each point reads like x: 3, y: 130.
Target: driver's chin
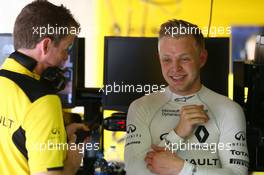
x: 178, y: 89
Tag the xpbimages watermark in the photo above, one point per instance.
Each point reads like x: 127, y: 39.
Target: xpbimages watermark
x: 55, y: 30
x: 51, y: 146
x: 131, y: 88
x: 182, y: 146
x: 191, y: 30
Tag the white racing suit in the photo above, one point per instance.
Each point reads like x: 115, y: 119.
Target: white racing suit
x: 214, y: 148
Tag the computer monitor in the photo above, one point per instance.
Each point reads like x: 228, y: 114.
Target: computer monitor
x: 259, y: 50
x: 134, y: 61
x: 74, y: 74
x: 68, y: 94
x: 74, y: 66
x: 244, y: 40
x: 6, y: 46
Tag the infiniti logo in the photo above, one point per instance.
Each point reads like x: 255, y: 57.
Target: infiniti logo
x: 162, y: 136
x: 55, y: 131
x: 131, y: 128
x: 241, y: 135
x: 183, y: 99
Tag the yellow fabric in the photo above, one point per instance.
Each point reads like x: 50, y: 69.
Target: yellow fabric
x: 12, y: 65
x: 42, y: 121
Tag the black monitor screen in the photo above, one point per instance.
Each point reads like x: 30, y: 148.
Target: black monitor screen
x: 67, y: 95
x: 132, y: 69
x: 214, y: 74
x: 74, y: 73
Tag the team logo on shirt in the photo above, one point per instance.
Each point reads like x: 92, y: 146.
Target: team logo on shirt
x: 201, y: 134
x: 241, y: 136
x: 239, y: 153
x: 170, y: 112
x: 131, y: 128
x: 203, y: 161
x: 183, y: 99
x: 6, y: 122
x: 163, y: 136
x: 239, y: 162
x: 55, y: 131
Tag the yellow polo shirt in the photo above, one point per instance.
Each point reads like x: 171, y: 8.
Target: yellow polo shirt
x: 32, y: 133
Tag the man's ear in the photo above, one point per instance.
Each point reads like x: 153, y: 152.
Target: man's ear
x: 203, y: 57
x: 45, y: 45
x: 42, y: 48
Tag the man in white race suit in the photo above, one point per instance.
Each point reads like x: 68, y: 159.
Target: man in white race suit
x: 186, y: 129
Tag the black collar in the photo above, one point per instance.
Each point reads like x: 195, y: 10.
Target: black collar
x: 26, y: 61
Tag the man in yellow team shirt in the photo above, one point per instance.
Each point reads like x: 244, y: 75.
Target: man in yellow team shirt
x: 31, y: 121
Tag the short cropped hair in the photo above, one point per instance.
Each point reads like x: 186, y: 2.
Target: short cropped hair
x: 42, y: 14
x: 180, y: 28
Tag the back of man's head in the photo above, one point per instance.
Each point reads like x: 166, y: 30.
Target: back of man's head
x: 179, y: 28
x: 41, y: 19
